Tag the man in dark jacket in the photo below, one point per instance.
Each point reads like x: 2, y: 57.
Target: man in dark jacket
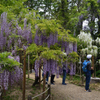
x: 88, y: 73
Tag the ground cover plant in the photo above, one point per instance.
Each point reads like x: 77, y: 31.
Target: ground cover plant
x: 15, y: 93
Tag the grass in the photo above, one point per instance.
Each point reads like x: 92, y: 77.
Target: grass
x: 77, y: 81
x: 7, y: 98
x: 15, y: 93
x: 33, y: 92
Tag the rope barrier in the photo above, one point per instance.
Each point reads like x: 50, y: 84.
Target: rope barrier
x: 40, y: 93
x: 47, y: 97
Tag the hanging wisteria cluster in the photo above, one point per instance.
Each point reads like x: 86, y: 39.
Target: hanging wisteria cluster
x: 42, y: 39
x: 98, y: 1
x: 13, y: 35
x: 8, y: 78
x: 51, y: 65
x: 86, y: 37
x: 97, y: 40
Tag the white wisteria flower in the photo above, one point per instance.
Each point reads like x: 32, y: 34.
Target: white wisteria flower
x: 91, y: 49
x: 97, y: 40
x: 86, y: 37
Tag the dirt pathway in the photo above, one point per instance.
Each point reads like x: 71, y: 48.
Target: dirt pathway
x: 71, y: 91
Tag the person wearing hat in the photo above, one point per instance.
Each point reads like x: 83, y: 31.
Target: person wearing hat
x: 88, y: 73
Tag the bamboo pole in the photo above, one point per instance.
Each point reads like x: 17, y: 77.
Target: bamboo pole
x: 40, y: 77
x: 24, y: 75
x: 93, y: 64
x: 28, y: 65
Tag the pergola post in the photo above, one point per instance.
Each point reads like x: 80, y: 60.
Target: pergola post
x: 24, y: 75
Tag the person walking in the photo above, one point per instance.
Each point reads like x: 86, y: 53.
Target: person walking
x: 47, y: 77
x: 88, y: 73
x: 52, y: 79
x: 64, y: 74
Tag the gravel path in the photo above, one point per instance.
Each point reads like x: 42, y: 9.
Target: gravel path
x: 71, y: 91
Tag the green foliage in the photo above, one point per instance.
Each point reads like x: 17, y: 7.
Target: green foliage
x: 52, y: 26
x: 80, y: 45
x: 55, y: 47
x: 35, y: 51
x: 12, y: 5
x: 39, y: 52
x: 65, y: 36
x: 7, y: 63
x: 51, y: 54
x: 98, y: 73
x: 7, y: 98
x: 72, y: 57
x: 33, y: 48
x: 48, y: 26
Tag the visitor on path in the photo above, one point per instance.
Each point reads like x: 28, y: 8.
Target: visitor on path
x: 52, y: 79
x: 64, y: 74
x: 88, y: 73
x: 47, y: 77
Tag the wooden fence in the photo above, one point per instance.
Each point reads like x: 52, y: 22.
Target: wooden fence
x: 48, y: 90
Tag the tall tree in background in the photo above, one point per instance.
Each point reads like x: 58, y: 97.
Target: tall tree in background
x: 42, y: 6
x: 66, y: 11
x: 70, y: 12
x: 61, y: 12
x: 92, y: 13
x: 93, y: 17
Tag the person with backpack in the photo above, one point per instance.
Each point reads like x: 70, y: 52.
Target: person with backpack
x: 87, y: 69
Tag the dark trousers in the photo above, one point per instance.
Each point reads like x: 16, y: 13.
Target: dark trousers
x: 52, y: 79
x: 47, y: 76
x: 64, y: 76
x: 88, y: 76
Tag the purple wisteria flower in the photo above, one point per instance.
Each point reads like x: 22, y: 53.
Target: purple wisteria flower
x: 98, y: 1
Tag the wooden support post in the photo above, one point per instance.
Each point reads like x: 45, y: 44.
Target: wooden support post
x: 24, y: 75
x: 93, y: 64
x: 43, y: 97
x: 71, y: 77
x: 20, y: 55
x: 80, y: 71
x: 95, y: 72
x: 82, y: 79
x: 40, y: 77
x: 28, y: 65
x: 49, y: 91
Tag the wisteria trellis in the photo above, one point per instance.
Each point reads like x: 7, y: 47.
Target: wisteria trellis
x: 51, y: 65
x: 8, y: 42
